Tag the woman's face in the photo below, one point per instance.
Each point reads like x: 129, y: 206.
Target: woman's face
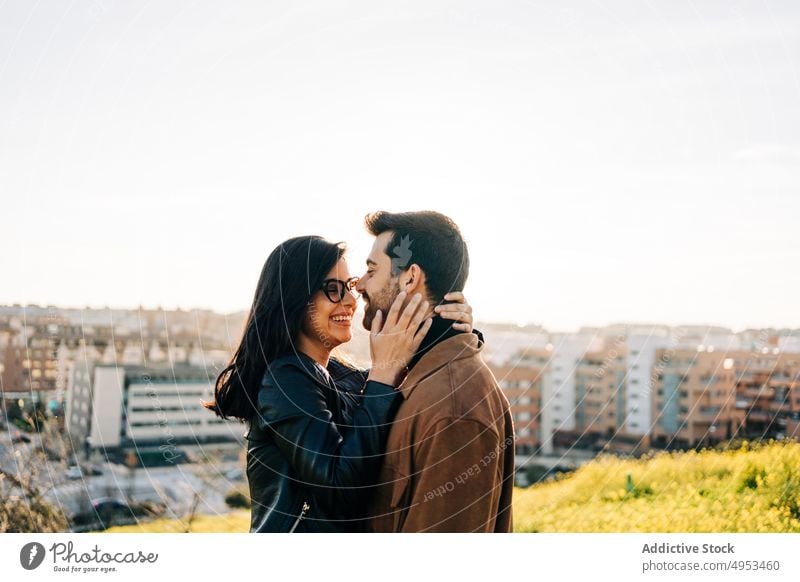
x: 326, y: 322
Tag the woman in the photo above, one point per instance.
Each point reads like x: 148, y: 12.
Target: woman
x: 317, y: 425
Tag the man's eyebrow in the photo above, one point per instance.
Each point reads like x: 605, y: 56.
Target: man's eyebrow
x: 370, y: 262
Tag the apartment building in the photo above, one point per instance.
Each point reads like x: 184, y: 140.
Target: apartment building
x: 694, y: 403
x: 558, y: 387
x: 39, y: 346
x: 767, y: 392
x: 521, y: 379
x: 31, y: 366
x: 600, y: 397
x: 154, y: 409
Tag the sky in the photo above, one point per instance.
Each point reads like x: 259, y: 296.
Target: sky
x: 606, y: 161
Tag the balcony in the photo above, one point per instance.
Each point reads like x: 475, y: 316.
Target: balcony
x: 779, y: 406
x: 760, y: 416
x: 709, y: 411
x: 759, y: 392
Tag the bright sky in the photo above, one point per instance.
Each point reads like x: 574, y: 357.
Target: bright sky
x: 607, y: 161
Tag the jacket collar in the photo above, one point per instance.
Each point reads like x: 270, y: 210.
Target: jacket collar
x: 441, y: 329
x: 458, y: 347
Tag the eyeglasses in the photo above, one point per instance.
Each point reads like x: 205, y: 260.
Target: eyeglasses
x: 336, y: 289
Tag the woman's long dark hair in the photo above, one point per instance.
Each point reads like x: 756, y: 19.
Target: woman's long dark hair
x: 293, y: 272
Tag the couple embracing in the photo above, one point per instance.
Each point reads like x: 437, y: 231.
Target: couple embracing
x: 422, y: 441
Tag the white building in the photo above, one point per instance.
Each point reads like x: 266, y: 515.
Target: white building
x: 504, y: 342
x: 789, y: 344
x: 640, y: 363
x: 558, y: 385
x: 111, y: 409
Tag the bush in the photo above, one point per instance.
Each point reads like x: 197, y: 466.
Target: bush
x: 20, y: 516
x: 237, y: 500
x: 23, y: 508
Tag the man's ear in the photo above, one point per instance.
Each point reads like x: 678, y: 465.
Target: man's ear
x: 413, y: 281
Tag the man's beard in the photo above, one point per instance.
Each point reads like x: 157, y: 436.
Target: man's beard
x: 382, y: 300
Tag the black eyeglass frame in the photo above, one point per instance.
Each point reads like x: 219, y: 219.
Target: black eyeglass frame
x: 343, y: 288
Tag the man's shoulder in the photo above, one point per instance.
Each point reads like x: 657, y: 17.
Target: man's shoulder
x: 463, y: 388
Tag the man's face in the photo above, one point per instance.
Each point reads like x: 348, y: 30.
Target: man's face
x: 377, y: 286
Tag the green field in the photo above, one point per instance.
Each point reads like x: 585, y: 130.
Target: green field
x: 753, y: 488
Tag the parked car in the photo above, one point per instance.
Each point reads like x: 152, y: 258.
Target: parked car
x: 74, y: 472
x: 92, y: 470
x: 109, y: 504
x: 107, y: 512
x: 20, y: 437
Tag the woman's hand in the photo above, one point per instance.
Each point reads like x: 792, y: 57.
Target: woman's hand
x: 460, y: 311
x: 393, y: 343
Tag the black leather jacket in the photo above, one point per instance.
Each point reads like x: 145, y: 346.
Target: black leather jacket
x: 315, y: 446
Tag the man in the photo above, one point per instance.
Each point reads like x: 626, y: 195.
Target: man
x: 449, y: 464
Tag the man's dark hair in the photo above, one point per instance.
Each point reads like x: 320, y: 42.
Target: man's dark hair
x: 429, y: 239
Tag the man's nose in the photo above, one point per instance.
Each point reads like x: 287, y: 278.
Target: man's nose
x: 360, y: 285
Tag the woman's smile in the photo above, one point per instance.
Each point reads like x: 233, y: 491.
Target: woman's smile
x: 342, y: 319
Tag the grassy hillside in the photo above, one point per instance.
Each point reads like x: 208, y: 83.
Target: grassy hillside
x: 234, y: 522
x: 754, y: 488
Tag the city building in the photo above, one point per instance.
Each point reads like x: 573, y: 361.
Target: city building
x: 600, y: 398
x: 620, y: 388
x: 40, y: 345
x: 695, y: 399
x: 521, y: 379
x: 558, y: 387
x: 767, y: 392
x: 155, y: 411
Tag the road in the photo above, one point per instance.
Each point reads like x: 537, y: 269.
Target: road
x: 175, y: 486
